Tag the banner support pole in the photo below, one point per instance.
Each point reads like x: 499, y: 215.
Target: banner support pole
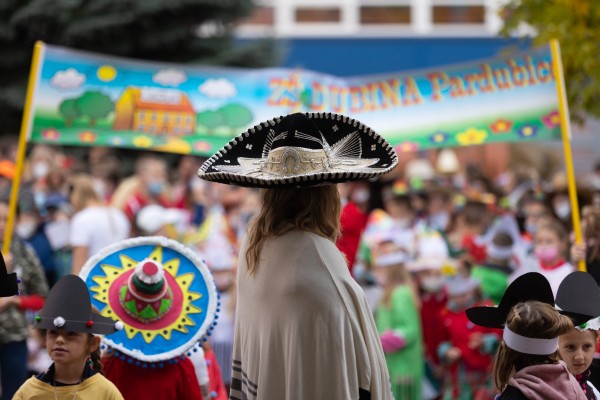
x: 25, y: 127
x: 565, y: 127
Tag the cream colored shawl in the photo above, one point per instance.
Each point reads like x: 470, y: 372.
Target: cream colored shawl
x: 303, y: 326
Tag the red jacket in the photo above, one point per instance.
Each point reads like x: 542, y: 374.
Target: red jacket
x: 433, y: 326
x: 458, y: 330
x: 352, y: 223
x: 217, y: 388
x: 172, y: 381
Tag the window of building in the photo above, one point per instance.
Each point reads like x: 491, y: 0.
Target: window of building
x: 153, y: 116
x: 141, y: 127
x: 261, y: 16
x: 384, y: 15
x: 166, y: 118
x: 458, y: 14
x: 317, y: 14
x: 141, y: 115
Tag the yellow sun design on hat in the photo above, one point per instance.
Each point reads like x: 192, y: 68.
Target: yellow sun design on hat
x: 154, y: 316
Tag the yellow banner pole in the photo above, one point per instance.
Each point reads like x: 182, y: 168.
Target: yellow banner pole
x: 25, y: 126
x: 565, y: 125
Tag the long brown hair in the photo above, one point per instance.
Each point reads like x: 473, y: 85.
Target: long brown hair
x: 397, y: 274
x: 83, y: 192
x: 315, y: 209
x: 531, y: 319
x: 591, y: 223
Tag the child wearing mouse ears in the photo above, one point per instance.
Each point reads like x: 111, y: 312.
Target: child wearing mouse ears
x: 71, y: 327
x: 526, y: 366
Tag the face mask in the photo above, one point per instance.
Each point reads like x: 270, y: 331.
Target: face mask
x: 548, y: 253
x: 456, y: 306
x: 563, y: 210
x: 25, y: 229
x: 155, y: 188
x: 432, y: 284
x: 530, y: 228
x: 40, y: 170
x: 101, y: 189
x: 403, y: 223
x: 361, y: 196
x: 439, y: 220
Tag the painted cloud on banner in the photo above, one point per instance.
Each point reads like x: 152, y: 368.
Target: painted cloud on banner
x: 68, y: 79
x: 169, y: 77
x: 218, y: 88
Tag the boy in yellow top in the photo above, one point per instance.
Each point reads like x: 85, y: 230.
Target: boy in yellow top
x: 70, y: 327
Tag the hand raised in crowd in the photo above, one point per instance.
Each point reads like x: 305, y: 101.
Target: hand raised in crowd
x: 578, y: 252
x: 453, y: 355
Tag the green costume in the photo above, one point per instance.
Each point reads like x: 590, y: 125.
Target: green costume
x: 493, y: 280
x: 405, y: 365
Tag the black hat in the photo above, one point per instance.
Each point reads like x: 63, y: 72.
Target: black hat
x: 8, y: 282
x: 578, y: 297
x: 531, y: 286
x: 302, y: 149
x: 69, y: 307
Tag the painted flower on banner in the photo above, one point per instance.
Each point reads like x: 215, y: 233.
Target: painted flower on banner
x: 527, y: 131
x: 116, y: 141
x: 471, y: 136
x: 501, y: 126
x: 438, y: 137
x: 142, y: 141
x: 202, y: 146
x: 87, y: 137
x: 51, y: 134
x: 407, y: 147
x: 551, y: 120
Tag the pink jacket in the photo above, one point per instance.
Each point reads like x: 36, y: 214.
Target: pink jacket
x: 547, y: 382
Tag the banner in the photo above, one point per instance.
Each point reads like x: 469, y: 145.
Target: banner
x: 81, y: 98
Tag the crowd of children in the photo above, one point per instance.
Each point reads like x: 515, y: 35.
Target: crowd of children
x: 424, y: 251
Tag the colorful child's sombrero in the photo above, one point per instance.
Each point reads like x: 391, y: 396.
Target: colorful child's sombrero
x: 160, y: 290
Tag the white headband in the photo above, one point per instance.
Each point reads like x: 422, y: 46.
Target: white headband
x: 387, y: 260
x: 499, y: 253
x: 525, y: 345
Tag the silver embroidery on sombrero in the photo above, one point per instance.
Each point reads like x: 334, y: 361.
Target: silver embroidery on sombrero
x: 343, y: 156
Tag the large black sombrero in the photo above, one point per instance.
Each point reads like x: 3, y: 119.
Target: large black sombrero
x: 578, y: 297
x: 302, y: 149
x: 531, y: 286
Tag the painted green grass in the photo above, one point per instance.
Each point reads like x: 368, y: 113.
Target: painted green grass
x: 80, y: 133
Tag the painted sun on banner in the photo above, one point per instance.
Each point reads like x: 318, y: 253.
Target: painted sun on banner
x: 82, y: 98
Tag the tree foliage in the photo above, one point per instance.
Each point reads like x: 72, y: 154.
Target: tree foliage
x: 68, y: 109
x: 94, y: 105
x: 187, y: 31
x: 576, y: 25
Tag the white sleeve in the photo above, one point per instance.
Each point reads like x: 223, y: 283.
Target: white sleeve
x: 199, y: 362
x: 80, y: 232
x: 596, y: 393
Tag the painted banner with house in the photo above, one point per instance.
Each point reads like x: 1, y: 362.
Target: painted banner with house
x: 82, y: 98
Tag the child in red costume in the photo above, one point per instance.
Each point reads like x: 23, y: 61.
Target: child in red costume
x: 468, y: 349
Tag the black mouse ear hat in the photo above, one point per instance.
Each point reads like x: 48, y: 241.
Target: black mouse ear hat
x: 8, y: 282
x: 578, y: 297
x: 69, y: 307
x: 527, y: 287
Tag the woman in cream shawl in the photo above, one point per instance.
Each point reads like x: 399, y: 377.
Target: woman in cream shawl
x: 303, y: 325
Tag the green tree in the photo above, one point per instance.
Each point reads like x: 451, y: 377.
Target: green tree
x: 210, y: 120
x: 186, y: 31
x: 576, y: 25
x: 94, y: 105
x: 68, y: 109
x: 236, y: 115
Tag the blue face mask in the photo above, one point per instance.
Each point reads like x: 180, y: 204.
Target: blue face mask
x: 156, y: 187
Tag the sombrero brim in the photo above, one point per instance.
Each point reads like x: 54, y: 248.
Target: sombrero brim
x: 356, y: 151
x: 188, y: 276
